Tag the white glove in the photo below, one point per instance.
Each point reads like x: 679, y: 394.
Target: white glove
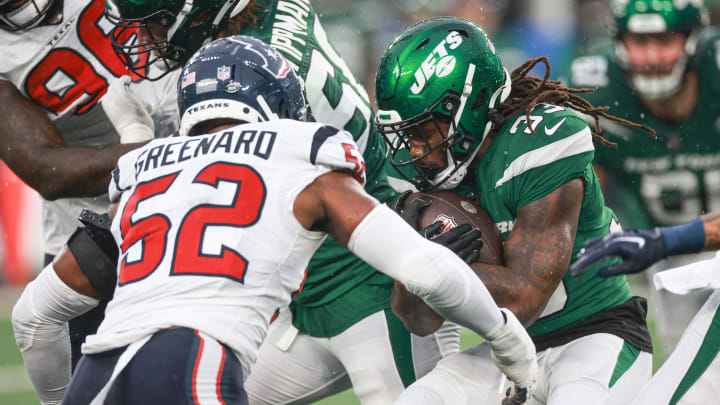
x: 514, y: 352
x: 127, y: 114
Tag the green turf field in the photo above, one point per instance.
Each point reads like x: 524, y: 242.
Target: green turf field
x: 15, y: 387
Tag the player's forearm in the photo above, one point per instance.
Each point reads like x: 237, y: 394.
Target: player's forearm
x: 514, y: 290
x: 32, y: 147
x: 537, y: 253
x: 416, y: 315
x: 711, y: 226
x: 434, y: 273
x: 68, y: 172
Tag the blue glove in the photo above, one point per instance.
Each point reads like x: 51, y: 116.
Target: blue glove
x: 637, y: 249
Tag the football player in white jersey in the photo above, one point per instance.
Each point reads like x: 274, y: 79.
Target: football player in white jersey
x: 343, y: 312
x: 690, y: 374
x: 56, y: 63
x: 215, y: 232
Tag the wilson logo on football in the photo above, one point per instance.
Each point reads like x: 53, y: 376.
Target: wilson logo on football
x: 448, y: 222
x: 438, y: 63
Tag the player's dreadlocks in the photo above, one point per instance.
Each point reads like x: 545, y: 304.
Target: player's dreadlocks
x: 527, y: 91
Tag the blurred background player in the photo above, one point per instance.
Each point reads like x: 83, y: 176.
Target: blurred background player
x: 244, y: 180
x: 456, y: 119
x: 56, y: 64
x: 691, y: 373
x: 659, y: 70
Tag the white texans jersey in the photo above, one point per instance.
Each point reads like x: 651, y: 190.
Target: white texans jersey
x: 66, y: 69
x: 207, y: 232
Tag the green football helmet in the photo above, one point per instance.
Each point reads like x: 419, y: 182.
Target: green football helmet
x: 189, y: 25
x: 657, y: 17
x: 443, y: 68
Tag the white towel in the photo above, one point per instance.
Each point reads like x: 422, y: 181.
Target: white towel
x: 701, y: 275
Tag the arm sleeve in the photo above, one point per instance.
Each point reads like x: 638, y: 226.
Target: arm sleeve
x: 39, y: 321
x: 427, y: 269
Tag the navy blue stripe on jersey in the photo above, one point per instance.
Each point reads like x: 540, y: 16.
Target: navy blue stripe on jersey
x: 321, y: 135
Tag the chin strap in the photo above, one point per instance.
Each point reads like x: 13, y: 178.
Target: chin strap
x: 452, y: 175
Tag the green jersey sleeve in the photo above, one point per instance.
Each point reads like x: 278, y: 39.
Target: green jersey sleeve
x: 537, y: 164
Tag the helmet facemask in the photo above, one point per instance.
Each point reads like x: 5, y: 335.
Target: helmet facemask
x: 28, y: 15
x: 654, y: 86
x: 460, y: 145
x: 174, y: 33
x: 643, y: 17
x: 440, y: 69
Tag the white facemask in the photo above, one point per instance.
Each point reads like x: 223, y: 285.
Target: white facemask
x: 27, y: 16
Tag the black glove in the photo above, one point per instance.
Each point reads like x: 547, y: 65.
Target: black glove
x: 637, y: 249
x: 412, y: 212
x: 463, y: 240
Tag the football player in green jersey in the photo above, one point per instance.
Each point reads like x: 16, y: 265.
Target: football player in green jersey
x: 659, y: 69
x: 456, y: 119
x: 341, y: 331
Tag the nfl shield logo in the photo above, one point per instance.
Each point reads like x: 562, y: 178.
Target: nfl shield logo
x: 223, y: 72
x: 448, y: 222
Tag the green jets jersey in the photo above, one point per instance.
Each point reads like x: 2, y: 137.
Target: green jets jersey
x: 674, y: 177
x: 519, y: 168
x: 340, y: 289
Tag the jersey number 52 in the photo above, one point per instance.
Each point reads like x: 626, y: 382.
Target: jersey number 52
x: 188, y: 259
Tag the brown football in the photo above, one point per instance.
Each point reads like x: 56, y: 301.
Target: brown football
x: 453, y: 210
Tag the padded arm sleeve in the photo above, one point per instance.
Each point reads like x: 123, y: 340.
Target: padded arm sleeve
x: 428, y: 270
x: 39, y: 320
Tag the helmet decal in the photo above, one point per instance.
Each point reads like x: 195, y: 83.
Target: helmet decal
x: 188, y: 79
x: 440, y: 73
x: 432, y: 63
x: 223, y: 72
x: 265, y: 56
x: 239, y: 78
